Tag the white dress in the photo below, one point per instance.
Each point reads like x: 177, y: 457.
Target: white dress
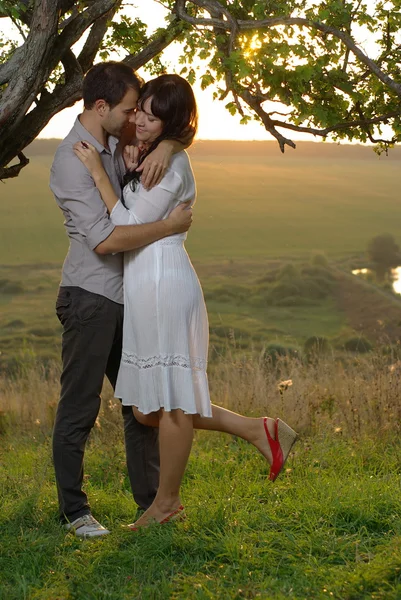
x: 166, y: 332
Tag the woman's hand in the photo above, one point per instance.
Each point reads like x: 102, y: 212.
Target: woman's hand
x: 131, y: 156
x: 90, y: 157
x: 156, y: 164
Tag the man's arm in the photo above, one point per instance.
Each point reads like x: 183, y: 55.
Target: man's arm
x: 78, y: 196
x: 131, y: 237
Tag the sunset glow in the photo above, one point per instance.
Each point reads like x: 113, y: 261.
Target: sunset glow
x: 214, y: 120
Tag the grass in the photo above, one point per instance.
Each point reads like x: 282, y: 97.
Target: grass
x: 256, y: 211
x: 331, y: 525
x: 330, y: 528
x: 251, y: 206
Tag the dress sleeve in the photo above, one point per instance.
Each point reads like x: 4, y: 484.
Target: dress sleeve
x: 121, y: 215
x: 155, y: 204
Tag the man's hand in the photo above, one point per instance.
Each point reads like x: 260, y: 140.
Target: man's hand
x: 180, y: 219
x: 156, y: 164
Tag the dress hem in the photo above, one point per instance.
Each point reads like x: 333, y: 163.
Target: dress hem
x: 186, y: 412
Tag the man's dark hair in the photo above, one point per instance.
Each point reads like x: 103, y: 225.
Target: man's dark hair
x: 109, y: 81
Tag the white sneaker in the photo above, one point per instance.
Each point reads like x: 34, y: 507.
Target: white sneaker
x: 86, y: 526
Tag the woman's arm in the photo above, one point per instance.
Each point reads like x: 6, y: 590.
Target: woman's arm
x: 105, y: 188
x: 91, y: 159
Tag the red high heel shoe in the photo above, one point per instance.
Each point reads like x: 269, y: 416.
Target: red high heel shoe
x: 280, y: 447
x: 174, y: 516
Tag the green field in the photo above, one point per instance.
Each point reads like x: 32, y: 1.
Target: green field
x: 252, y: 204
x: 273, y: 242
x: 257, y: 211
x: 330, y: 528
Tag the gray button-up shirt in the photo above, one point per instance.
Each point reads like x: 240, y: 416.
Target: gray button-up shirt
x: 86, y: 219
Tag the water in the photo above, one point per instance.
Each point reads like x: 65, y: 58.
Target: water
x: 395, y: 274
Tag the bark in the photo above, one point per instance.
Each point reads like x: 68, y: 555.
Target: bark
x: 19, y: 127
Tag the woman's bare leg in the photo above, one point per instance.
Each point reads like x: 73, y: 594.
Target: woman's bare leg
x: 250, y: 429
x: 175, y: 440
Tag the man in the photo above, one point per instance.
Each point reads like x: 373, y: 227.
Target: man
x: 90, y: 299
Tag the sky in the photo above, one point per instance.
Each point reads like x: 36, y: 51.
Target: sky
x: 215, y: 122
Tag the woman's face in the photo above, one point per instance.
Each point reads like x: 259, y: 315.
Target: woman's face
x: 148, y: 127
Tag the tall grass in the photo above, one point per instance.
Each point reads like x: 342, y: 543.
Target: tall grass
x: 329, y: 528
x: 350, y: 395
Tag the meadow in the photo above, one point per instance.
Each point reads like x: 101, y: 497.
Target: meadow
x: 253, y: 203
x: 274, y: 240
x: 330, y: 527
x: 257, y: 212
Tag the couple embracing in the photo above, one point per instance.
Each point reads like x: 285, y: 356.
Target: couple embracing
x: 130, y: 303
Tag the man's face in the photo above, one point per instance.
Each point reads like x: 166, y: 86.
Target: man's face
x: 121, y: 116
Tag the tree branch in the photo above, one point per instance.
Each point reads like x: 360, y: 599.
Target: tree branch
x: 14, y: 170
x: 155, y: 47
x: 95, y: 37
x: 77, y: 27
x: 248, y: 25
x: 9, y: 68
x: 49, y: 105
x: 269, y: 124
x: 24, y: 84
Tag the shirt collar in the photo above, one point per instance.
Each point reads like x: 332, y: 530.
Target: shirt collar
x: 86, y: 135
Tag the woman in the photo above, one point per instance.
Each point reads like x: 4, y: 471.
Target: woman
x: 165, y: 343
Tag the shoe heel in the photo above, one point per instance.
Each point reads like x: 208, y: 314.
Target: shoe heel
x: 286, y: 437
x: 280, y: 446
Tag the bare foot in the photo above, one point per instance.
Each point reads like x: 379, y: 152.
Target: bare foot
x: 156, y: 514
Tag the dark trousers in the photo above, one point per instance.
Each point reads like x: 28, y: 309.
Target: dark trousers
x: 91, y: 348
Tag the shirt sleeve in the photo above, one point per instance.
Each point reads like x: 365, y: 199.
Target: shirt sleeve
x: 79, y: 198
x: 156, y: 204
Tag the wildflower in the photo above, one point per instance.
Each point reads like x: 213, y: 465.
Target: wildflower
x: 284, y: 385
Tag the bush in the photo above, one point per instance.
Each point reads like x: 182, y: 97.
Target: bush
x: 15, y: 324
x: 319, y: 272
x: 283, y: 290
x: 288, y: 271
x: 226, y: 293
x: 358, y: 344
x: 11, y: 287
x: 300, y: 291
x: 273, y: 352
x: 319, y: 260
x: 384, y: 251
x: 42, y: 332
x: 316, y: 346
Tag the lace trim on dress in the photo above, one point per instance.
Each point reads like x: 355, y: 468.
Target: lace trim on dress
x: 164, y: 360
x: 173, y: 242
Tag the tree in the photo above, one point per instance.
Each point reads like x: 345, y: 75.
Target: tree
x: 384, y: 253
x: 294, y: 65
